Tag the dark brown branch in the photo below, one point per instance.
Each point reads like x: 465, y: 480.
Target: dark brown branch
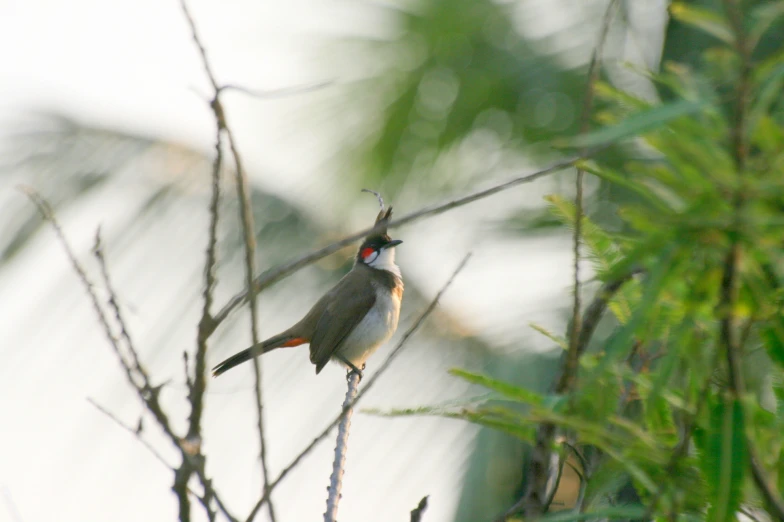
x: 561, y: 463
x: 417, y: 512
x: 534, y: 501
x: 275, y: 274
x: 729, y: 284
x: 199, y: 380
x: 248, y: 227
x: 545, y: 435
x: 369, y: 384
x: 197, y: 385
x: 772, y: 500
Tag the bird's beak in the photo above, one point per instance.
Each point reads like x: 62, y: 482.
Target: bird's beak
x: 393, y: 243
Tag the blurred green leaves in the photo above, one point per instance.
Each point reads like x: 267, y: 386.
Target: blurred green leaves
x: 653, y: 397
x: 462, y: 72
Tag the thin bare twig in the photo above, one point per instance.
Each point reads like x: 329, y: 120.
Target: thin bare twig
x: 561, y: 463
x: 570, y: 373
x: 205, y: 500
x: 133, y: 432
x: 135, y: 373
x: 533, y: 501
x: 246, y: 217
x: 378, y: 197
x: 148, y: 393
x: 417, y: 512
x: 275, y: 93
x: 197, y: 385
x: 341, y: 447
x: 369, y: 384
x: 275, y: 274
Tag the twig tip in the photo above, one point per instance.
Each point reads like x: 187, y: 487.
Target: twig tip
x: 378, y: 196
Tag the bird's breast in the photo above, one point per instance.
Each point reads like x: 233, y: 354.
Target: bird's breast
x: 375, y: 328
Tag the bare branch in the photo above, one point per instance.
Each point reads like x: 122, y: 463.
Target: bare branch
x: 133, y: 432
x: 772, y: 500
x: 417, y: 512
x: 534, y: 501
x: 134, y: 371
x: 378, y: 196
x: 369, y: 384
x: 48, y: 214
x: 540, y: 455
x: 275, y: 274
x: 341, y: 447
x: 275, y: 93
x: 246, y: 217
x: 593, y: 76
x: 114, y: 305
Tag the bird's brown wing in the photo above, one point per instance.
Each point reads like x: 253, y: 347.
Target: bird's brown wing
x: 353, y: 297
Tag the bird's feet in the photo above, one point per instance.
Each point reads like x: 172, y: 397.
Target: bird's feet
x: 352, y: 368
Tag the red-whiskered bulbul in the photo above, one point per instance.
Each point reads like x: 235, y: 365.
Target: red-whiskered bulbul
x: 351, y: 320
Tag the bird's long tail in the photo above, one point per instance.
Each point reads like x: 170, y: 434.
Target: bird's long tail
x: 283, y: 340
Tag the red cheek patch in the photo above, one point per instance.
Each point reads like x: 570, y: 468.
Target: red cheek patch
x: 366, y: 252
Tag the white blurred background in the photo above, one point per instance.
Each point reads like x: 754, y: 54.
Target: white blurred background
x: 103, y: 109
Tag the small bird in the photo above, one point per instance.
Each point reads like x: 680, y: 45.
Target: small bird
x: 359, y: 314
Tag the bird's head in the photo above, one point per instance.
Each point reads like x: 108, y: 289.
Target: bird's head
x: 378, y: 249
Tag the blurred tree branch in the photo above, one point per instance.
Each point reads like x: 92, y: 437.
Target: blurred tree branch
x: 248, y: 228
x: 138, y: 378
x: 535, y: 500
x: 275, y: 274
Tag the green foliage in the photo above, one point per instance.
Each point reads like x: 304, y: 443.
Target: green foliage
x: 656, y: 398
x: 462, y: 68
x: 723, y: 458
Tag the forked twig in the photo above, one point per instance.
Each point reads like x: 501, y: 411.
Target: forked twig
x: 246, y: 217
x: 135, y: 373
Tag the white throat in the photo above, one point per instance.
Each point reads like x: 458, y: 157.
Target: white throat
x: 385, y: 260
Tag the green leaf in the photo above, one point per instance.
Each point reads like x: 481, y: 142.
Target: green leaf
x: 763, y: 17
x: 724, y: 460
x: 502, y: 419
x: 557, y: 339
x: 638, y: 123
x: 768, y: 93
x: 652, y: 287
x: 705, y: 20
x: 772, y: 335
x: 631, y: 512
x: 508, y: 390
x: 630, y: 184
x: 600, y: 244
